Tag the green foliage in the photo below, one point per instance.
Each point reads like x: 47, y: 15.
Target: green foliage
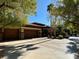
x: 28, y: 6
x: 68, y: 10
x: 15, y: 12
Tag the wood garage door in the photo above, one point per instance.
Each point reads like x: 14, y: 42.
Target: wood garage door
x: 30, y: 33
x: 11, y: 34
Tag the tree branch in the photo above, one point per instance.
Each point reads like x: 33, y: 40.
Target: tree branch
x: 9, y: 6
x: 6, y: 6
x: 2, y: 5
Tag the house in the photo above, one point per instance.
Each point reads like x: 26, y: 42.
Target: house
x: 33, y: 30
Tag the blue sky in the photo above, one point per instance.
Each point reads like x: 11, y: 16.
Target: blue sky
x: 42, y: 14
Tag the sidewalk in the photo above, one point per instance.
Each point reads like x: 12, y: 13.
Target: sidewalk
x: 22, y: 41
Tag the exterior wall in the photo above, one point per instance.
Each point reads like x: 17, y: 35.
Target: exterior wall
x: 27, y: 32
x: 0, y: 34
x: 15, y: 34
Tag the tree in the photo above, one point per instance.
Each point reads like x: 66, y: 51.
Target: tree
x: 68, y: 10
x: 54, y: 15
x: 14, y: 13
x: 71, y: 12
x: 19, y: 8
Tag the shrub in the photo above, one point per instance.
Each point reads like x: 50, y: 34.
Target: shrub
x: 60, y: 36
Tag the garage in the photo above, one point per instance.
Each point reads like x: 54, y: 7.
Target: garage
x: 11, y: 34
x: 31, y: 33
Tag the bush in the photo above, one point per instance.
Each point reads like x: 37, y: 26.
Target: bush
x: 60, y: 36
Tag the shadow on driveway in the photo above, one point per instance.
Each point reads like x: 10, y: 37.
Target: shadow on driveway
x: 72, y: 48
x: 14, y: 52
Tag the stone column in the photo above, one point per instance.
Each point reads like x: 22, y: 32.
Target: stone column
x: 21, y: 33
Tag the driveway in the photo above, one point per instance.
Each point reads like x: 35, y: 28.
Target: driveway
x: 41, y: 48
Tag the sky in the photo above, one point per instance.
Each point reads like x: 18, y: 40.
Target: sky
x: 41, y: 12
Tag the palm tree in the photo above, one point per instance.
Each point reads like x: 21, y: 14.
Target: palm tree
x: 53, y: 11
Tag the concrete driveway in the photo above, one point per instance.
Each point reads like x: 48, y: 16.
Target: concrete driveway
x: 40, y: 48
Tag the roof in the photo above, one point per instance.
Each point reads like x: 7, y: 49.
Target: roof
x: 33, y: 25
x: 39, y: 24
x: 36, y: 26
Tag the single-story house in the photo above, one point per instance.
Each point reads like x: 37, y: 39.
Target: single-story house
x: 33, y: 30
